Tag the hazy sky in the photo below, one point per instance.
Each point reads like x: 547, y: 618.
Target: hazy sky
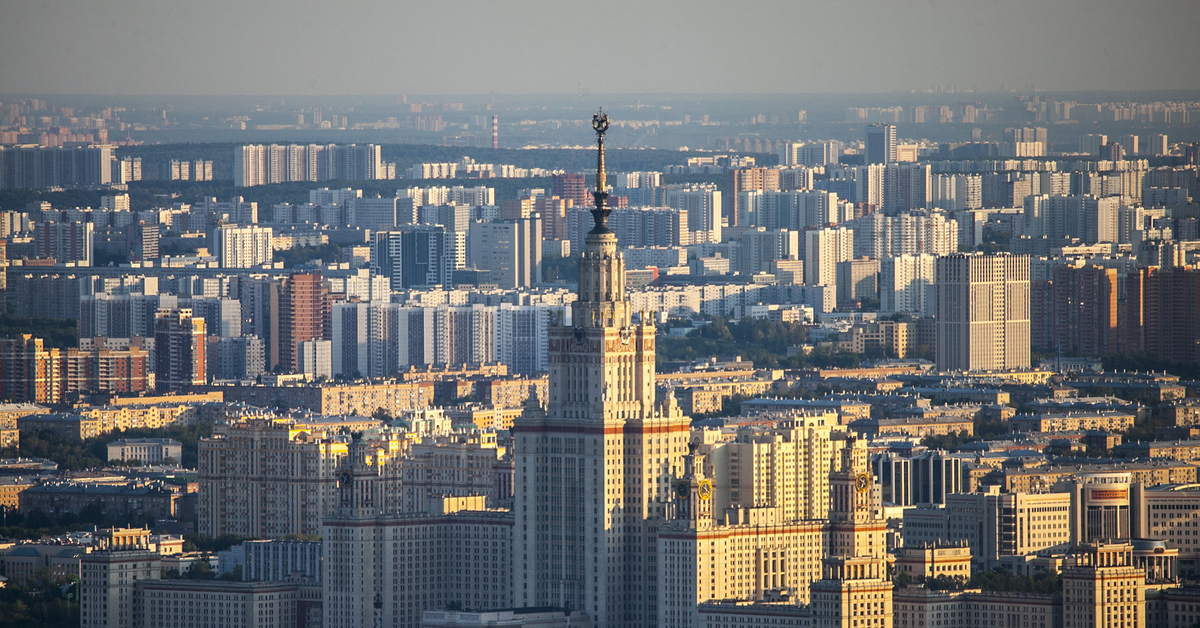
x: 469, y: 47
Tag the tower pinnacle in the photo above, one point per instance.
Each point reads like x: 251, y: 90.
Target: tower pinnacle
x: 600, y: 212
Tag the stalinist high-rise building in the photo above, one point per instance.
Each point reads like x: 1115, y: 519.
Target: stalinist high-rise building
x: 594, y: 469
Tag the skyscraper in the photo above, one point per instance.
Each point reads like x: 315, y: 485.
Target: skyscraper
x: 881, y: 144
x: 982, y: 312
x: 593, y: 468
x: 179, y: 350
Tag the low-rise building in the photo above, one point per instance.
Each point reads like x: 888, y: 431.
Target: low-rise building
x: 514, y: 618
x: 145, y: 499
x: 336, y: 399
x: 1110, y: 421
x: 145, y: 450
x: 918, y: 426
x: 10, y: 490
x: 227, y: 604
x: 1148, y: 472
x: 934, y: 560
x: 23, y: 562
x: 918, y: 607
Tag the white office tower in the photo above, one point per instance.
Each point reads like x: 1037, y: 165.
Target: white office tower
x: 823, y: 249
x: 1081, y: 217
x: 703, y: 206
x: 593, y: 469
x: 907, y: 284
x: 797, y: 210
x: 243, y: 246
x: 982, y: 312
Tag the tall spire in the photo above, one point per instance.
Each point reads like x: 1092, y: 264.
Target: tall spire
x: 600, y: 213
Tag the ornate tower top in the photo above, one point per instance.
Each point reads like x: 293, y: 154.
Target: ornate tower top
x: 600, y: 212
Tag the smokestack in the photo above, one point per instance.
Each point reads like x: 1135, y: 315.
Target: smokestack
x: 495, y: 131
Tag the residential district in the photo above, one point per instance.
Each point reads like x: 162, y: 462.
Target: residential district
x: 482, y: 410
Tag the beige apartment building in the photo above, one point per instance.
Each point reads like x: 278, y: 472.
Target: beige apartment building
x: 270, y: 478
x: 1103, y: 420
x: 982, y: 312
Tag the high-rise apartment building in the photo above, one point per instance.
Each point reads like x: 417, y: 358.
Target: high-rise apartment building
x: 881, y: 144
x: 30, y: 371
x: 906, y: 187
x: 982, y: 312
x: 570, y: 187
x: 750, y: 179
x: 243, y: 246
x: 255, y: 164
x: 179, y: 350
x: 420, y: 255
x: 1060, y: 219
x: 304, y: 310
x: 510, y: 249
x: 857, y: 280
x: 64, y: 241
x: 823, y: 250
x: 37, y: 167
x: 797, y: 210
x: 1161, y: 313
x: 702, y: 202
x: 907, y: 284
x: 1082, y: 315
x: 268, y: 478
x: 592, y: 469
x: 1092, y: 144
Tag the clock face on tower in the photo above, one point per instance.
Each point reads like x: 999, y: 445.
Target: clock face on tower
x: 705, y: 490
x: 345, y: 478
x: 682, y: 490
x: 862, y: 482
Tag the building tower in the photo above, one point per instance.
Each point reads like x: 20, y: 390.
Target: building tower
x: 180, y: 343
x: 109, y: 574
x: 593, y: 469
x: 881, y: 144
x: 1103, y: 587
x: 982, y: 312
x: 855, y: 589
